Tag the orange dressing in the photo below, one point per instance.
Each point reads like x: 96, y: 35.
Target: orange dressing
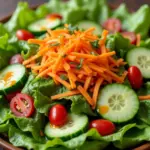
x: 103, y: 109
x: 7, y: 76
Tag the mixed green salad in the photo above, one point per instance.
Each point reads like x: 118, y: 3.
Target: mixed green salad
x: 75, y: 75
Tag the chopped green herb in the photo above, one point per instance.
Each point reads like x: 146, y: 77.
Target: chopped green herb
x: 63, y: 77
x: 81, y: 63
x: 72, y: 28
x: 93, y: 53
x: 95, y: 44
x: 55, y: 44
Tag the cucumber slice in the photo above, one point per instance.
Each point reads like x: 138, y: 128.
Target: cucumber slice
x: 39, y: 27
x: 140, y: 57
x: 88, y: 24
x: 117, y: 103
x: 77, y: 124
x: 12, y: 78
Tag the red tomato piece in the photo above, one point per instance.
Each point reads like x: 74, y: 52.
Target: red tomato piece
x: 58, y: 115
x: 16, y: 59
x: 24, y: 35
x: 112, y: 25
x: 131, y: 36
x: 104, y: 127
x: 22, y: 105
x: 11, y: 95
x: 54, y: 16
x: 135, y: 77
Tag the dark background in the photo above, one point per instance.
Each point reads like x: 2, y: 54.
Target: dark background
x: 8, y: 6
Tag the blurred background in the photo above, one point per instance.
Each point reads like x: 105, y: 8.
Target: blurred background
x: 8, y: 6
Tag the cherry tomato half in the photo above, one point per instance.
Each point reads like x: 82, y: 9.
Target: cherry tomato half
x: 135, y: 77
x: 131, y: 36
x: 54, y: 16
x: 24, y: 35
x: 58, y: 115
x: 112, y: 25
x: 104, y: 127
x: 22, y: 105
x: 16, y: 59
x: 11, y: 95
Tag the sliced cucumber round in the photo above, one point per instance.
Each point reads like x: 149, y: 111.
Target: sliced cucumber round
x: 12, y: 78
x: 77, y: 124
x: 140, y: 57
x: 88, y: 24
x: 39, y: 27
x: 117, y: 103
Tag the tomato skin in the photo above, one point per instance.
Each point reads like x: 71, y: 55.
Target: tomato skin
x: 54, y: 16
x: 24, y: 35
x: 135, y: 77
x: 112, y: 25
x: 58, y: 115
x: 104, y: 127
x: 131, y: 36
x: 18, y: 106
x: 16, y: 59
x: 11, y: 95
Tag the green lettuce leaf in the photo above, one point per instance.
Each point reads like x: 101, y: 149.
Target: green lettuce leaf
x: 145, y: 43
x: 33, y: 125
x: 145, y: 90
x: 89, y: 140
x: 21, y: 18
x: 144, y: 112
x: 134, y: 137
x: 104, y: 11
x: 27, y: 50
x: 21, y: 139
x: 42, y: 103
x: 42, y: 11
x: 3, y: 30
x: 44, y: 85
x: 4, y: 127
x: 120, y: 44
x: 79, y: 105
x: 121, y: 12
x: 5, y: 113
x: 138, y: 22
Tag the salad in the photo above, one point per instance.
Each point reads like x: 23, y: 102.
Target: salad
x: 75, y: 75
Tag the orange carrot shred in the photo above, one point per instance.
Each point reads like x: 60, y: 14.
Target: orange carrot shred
x: 73, y: 55
x: 146, y: 97
x: 69, y: 93
x: 86, y: 95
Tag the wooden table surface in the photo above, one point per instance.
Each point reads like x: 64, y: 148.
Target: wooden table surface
x: 8, y: 6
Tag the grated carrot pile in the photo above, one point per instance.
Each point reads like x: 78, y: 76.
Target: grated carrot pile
x: 72, y: 55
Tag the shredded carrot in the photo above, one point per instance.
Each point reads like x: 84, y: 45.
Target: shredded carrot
x: 96, y: 90
x: 87, y: 82
x: 69, y: 93
x: 138, y: 37
x: 86, y: 95
x: 146, y: 97
x: 73, y: 55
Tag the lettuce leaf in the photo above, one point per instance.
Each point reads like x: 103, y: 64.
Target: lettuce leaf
x: 121, y: 12
x: 144, y: 112
x: 22, y: 139
x: 33, y: 125
x: 3, y: 30
x: 6, y: 50
x: 120, y: 44
x: 21, y: 18
x: 138, y: 22
x: 134, y: 137
x: 27, y: 50
x: 89, y: 140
